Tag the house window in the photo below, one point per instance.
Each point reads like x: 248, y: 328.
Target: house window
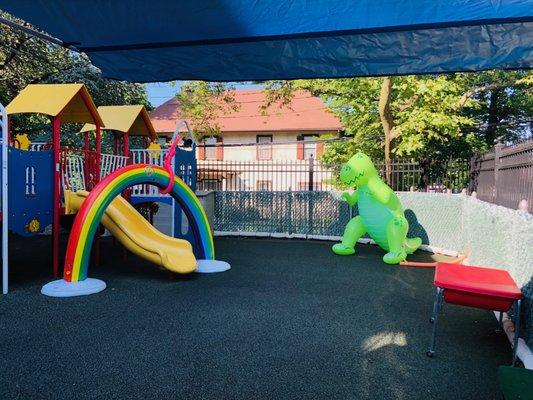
x: 264, y: 185
x: 309, y: 146
x: 210, y: 149
x: 302, y: 185
x: 264, y: 150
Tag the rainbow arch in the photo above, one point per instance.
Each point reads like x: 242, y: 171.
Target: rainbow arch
x: 93, y: 208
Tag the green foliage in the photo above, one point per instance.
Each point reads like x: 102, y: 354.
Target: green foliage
x: 503, y: 104
x: 25, y: 60
x: 202, y: 102
x: 436, y: 117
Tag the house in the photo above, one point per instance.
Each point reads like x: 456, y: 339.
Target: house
x: 249, y: 137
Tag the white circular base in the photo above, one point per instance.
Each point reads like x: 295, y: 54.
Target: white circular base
x: 210, y: 266
x: 62, y: 288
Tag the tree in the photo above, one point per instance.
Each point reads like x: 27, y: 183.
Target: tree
x: 202, y: 102
x: 431, y: 118
x: 25, y: 59
x: 503, y: 104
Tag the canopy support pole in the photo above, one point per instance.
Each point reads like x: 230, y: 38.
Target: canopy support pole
x: 39, y: 35
x: 56, y: 127
x: 5, y: 210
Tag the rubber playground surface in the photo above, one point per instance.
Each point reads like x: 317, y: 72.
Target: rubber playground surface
x: 290, y: 320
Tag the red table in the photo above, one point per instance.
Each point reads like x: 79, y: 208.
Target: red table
x: 479, y: 287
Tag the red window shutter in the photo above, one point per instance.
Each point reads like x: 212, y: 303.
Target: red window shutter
x: 201, y: 150
x: 319, y: 149
x: 300, y: 148
x: 219, y: 149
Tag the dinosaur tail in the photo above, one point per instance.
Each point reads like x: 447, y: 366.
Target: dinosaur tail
x: 412, y: 244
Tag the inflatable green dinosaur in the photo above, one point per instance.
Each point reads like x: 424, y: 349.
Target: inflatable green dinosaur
x: 380, y: 213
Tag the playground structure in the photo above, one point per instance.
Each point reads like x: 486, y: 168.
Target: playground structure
x: 253, y: 41
x: 37, y: 176
x: 47, y: 181
x: 122, y: 122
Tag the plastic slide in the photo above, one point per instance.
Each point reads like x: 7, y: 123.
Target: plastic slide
x: 138, y: 235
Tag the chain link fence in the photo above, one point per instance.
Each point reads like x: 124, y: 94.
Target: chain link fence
x: 300, y: 213
x: 497, y: 236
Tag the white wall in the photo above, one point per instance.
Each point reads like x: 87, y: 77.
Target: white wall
x: 287, y: 173
x: 249, y: 153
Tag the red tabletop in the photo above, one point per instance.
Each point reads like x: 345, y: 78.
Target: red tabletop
x: 480, y: 280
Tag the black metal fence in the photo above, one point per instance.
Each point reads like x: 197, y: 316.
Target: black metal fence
x: 263, y: 175
x: 310, y: 174
x: 504, y: 175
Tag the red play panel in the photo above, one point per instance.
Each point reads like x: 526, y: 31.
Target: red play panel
x: 479, y: 287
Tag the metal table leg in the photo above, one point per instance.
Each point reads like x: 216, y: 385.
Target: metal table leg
x: 500, y: 323
x: 518, y: 303
x: 437, y: 305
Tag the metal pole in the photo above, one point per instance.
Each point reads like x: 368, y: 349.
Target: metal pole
x: 32, y: 32
x: 56, y: 127
x: 311, y: 173
x: 437, y: 305
x: 5, y: 214
x: 516, y: 330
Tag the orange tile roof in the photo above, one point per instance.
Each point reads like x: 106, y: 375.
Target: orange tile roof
x: 306, y: 113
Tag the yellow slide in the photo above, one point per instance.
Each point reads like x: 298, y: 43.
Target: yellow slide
x: 138, y: 235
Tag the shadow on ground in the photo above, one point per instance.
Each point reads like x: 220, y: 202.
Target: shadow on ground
x: 289, y: 321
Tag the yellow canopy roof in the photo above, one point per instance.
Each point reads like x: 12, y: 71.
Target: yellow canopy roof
x: 133, y: 120
x: 70, y: 101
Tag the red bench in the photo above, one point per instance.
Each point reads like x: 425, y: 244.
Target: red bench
x: 486, y: 288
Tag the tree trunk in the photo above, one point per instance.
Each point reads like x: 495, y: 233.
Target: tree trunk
x: 493, y: 117
x: 386, y: 121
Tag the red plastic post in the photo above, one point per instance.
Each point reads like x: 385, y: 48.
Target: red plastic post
x: 126, y: 147
x: 86, y: 155
x: 98, y: 150
x: 56, y: 128
x: 126, y: 152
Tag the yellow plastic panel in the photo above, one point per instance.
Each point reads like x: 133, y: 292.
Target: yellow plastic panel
x: 138, y: 235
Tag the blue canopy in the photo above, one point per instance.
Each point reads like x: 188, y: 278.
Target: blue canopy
x: 235, y: 40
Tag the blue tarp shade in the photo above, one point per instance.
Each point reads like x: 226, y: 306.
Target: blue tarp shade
x: 232, y: 40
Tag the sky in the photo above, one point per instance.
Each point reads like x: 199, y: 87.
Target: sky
x: 160, y: 92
